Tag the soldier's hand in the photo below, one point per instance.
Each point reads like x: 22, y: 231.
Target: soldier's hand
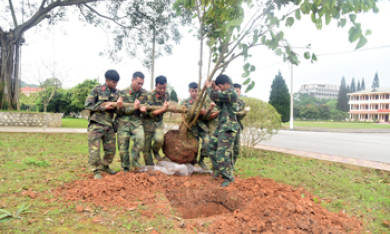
x: 203, y: 112
x: 208, y: 83
x: 136, y: 104
x: 166, y: 105
x: 143, y: 109
x: 212, y: 105
x: 120, y: 102
x: 110, y: 106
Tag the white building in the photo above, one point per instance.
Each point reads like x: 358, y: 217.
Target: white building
x: 368, y: 105
x: 321, y: 90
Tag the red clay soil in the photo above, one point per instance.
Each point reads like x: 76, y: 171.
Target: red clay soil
x: 178, y: 149
x: 254, y: 205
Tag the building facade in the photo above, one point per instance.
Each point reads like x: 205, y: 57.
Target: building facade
x: 321, y: 91
x: 29, y: 90
x: 370, y: 105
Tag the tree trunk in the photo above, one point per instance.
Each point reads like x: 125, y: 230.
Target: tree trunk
x: 153, y: 54
x: 9, y: 72
x: 44, y: 107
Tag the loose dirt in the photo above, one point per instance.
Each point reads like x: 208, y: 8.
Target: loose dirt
x: 178, y: 149
x: 253, y: 205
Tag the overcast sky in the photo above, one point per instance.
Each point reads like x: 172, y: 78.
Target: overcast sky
x: 77, y: 47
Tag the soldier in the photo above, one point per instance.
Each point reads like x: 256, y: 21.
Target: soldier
x: 220, y: 145
x: 130, y: 121
x: 199, y: 129
x: 153, y: 121
x: 100, y: 126
x: 240, y: 107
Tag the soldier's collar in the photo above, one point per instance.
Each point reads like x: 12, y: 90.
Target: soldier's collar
x: 160, y: 96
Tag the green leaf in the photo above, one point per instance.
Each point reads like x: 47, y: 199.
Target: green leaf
x: 246, y: 67
x: 211, y: 41
x: 328, y: 18
x: 354, y: 34
x: 250, y: 87
x: 306, y: 55
x: 298, y: 14
x: 313, y: 17
x: 5, y: 219
x: 246, y: 81
x: 246, y: 74
x: 352, y: 17
x: 253, y: 68
x: 314, y: 57
x: 317, y: 2
x: 278, y: 52
x: 237, y: 21
x: 342, y: 22
x: 5, y: 212
x: 361, y: 43
x: 368, y: 32
x: 319, y: 23
x: 289, y: 21
x: 5, y: 216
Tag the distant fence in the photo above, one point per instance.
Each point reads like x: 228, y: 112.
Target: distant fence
x: 48, y: 120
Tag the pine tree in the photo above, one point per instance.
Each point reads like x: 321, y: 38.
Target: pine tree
x: 342, y: 101
x: 353, y: 86
x: 173, y: 96
x: 358, y: 86
x: 347, y: 89
x: 375, y: 82
x: 363, y: 86
x: 280, y: 97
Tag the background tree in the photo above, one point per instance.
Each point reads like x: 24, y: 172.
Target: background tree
x: 363, y: 85
x: 280, y: 97
x: 173, y: 96
x: 80, y: 92
x: 310, y: 112
x: 324, y: 112
x: 261, y: 123
x: 352, y: 88
x: 358, y: 88
x: 375, y: 82
x: 342, y: 100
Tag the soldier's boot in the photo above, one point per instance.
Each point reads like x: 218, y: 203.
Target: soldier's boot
x: 108, y: 170
x: 216, y: 175
x: 202, y: 164
x: 97, y: 175
x: 126, y: 169
x: 226, y: 183
x: 134, y: 160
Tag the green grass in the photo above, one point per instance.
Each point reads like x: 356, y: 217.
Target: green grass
x: 69, y: 122
x: 362, y: 194
x: 348, y: 125
x: 43, y: 162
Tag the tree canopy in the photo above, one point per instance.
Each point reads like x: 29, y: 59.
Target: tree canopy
x: 280, y: 97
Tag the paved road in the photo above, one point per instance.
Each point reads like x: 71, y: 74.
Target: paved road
x: 366, y: 146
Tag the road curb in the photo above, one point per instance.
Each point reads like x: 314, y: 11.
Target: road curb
x: 349, y: 163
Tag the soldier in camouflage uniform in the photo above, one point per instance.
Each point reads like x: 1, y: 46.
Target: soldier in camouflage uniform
x: 130, y: 121
x: 100, y: 126
x: 240, y: 105
x: 199, y: 130
x: 220, y: 145
x: 153, y: 121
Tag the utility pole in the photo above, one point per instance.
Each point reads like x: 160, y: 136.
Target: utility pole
x: 291, y: 100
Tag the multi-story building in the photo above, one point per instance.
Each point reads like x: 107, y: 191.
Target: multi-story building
x: 370, y: 105
x: 320, y: 90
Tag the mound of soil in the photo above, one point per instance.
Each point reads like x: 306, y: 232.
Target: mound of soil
x: 253, y: 205
x: 178, y: 149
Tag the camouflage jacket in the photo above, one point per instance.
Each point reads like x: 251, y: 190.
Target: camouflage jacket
x: 201, y: 122
x: 129, y: 114
x: 226, y: 102
x: 98, y: 95
x: 151, y: 121
x: 240, y: 105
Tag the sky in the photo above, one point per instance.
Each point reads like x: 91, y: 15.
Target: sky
x: 75, y: 47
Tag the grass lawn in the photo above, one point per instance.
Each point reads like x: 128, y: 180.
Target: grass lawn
x: 69, y: 122
x: 350, y: 125
x: 43, y: 162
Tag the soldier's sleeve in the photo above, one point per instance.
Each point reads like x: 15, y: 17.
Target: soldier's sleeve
x: 226, y: 96
x: 125, y: 110
x: 92, y: 102
x: 242, y: 106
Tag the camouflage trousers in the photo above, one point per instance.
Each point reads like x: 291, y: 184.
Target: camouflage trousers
x: 98, y: 133
x: 158, y: 137
x: 219, y: 149
x: 127, y: 131
x: 201, y: 134
x: 237, y: 146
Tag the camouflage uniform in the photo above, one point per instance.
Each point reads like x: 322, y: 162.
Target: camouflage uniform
x: 154, y: 128
x: 130, y: 125
x: 240, y: 105
x: 211, y: 124
x: 100, y: 126
x: 199, y: 129
x: 220, y: 145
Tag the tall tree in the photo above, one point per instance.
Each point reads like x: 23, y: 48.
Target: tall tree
x: 173, y: 96
x: 352, y: 88
x: 363, y: 85
x: 280, y: 97
x: 358, y: 88
x: 375, y: 82
x: 342, y: 101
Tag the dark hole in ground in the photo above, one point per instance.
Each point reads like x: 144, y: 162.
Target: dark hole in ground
x: 196, y: 203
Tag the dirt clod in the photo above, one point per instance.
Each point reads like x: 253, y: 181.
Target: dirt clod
x: 79, y: 209
x: 245, y: 206
x: 178, y: 149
